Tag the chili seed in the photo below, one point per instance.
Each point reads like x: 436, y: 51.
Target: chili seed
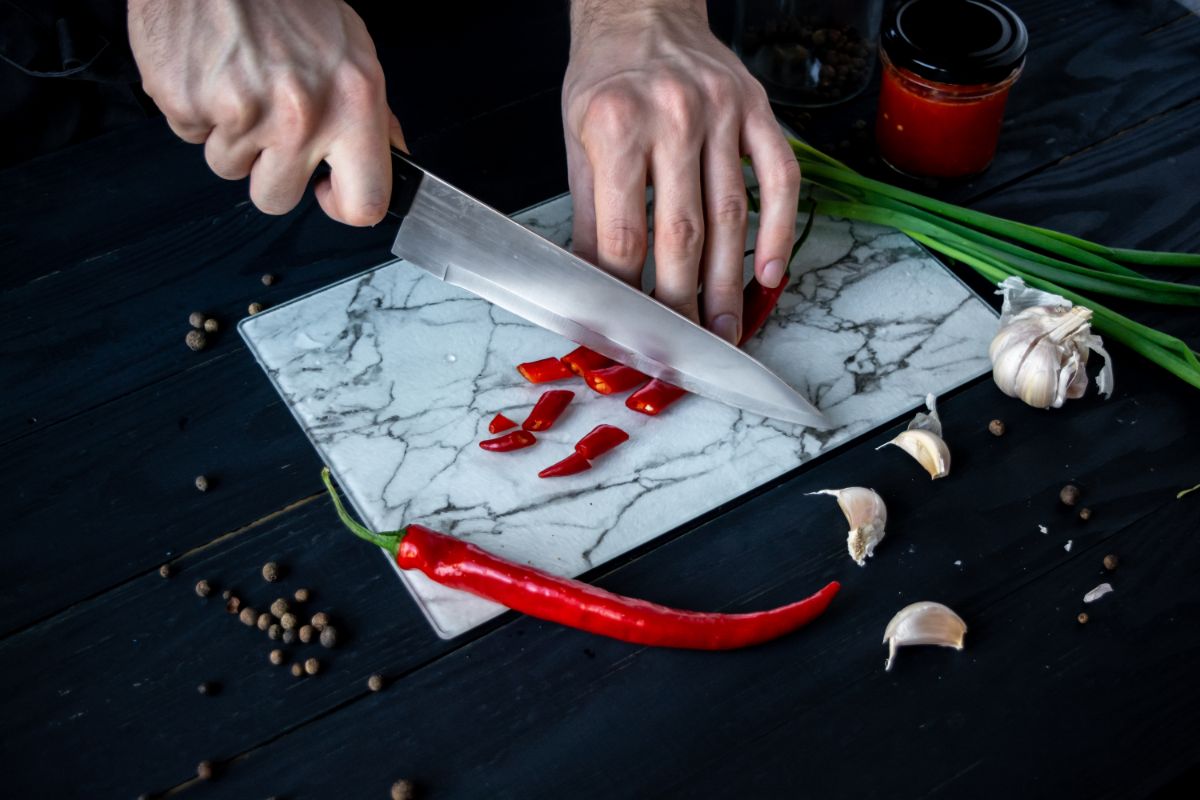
x: 275, y: 631
x: 277, y: 657
x: 305, y: 633
x: 297, y: 670
x: 312, y: 666
x: 279, y: 607
x: 1111, y: 561
x: 233, y: 604
x: 288, y: 621
x: 270, y: 572
x: 1083, y: 618
x: 329, y: 637
x: 204, y: 770
x: 248, y: 616
x: 996, y: 427
x: 301, y: 595
x: 1069, y: 494
x: 201, y: 483
x: 1085, y: 514
x: 195, y: 340
x: 403, y: 790
x: 211, y: 325
x: 288, y: 637
x: 196, y: 319
x: 320, y: 620
x: 203, y: 588
x: 165, y: 570
x: 268, y: 279
x: 375, y: 682
x: 254, y: 308
x: 264, y: 621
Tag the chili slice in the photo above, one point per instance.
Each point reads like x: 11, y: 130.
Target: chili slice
x: 500, y: 423
x: 460, y: 565
x: 600, y: 440
x: 508, y: 442
x: 614, y: 380
x: 548, y: 408
x: 654, y: 397
x: 544, y: 370
x: 571, y: 465
x: 582, y: 360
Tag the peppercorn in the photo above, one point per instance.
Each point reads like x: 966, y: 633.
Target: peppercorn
x: 279, y: 607
x: 1069, y: 494
x: 375, y: 682
x: 268, y: 279
x: 165, y: 570
x: 403, y: 790
x: 277, y: 657
x: 254, y: 308
x: 329, y: 637
x: 195, y: 340
x: 305, y: 633
x: 264, y: 621
x: 226, y: 594
x: 297, y: 670
x: 301, y: 595
x: 312, y: 666
x: 288, y: 621
x: 248, y: 616
x: 202, y: 483
x: 196, y: 319
x: 1085, y: 513
x: 320, y: 620
x: 202, y: 588
x: 233, y: 604
x: 208, y: 688
x: 1083, y: 618
x: 1111, y: 561
x: 274, y: 631
x: 204, y: 770
x: 270, y: 572
x: 996, y: 427
x: 211, y: 325
x: 288, y: 637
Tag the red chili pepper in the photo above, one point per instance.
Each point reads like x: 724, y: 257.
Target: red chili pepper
x: 654, y: 397
x: 600, y: 440
x: 547, y: 409
x: 583, y: 360
x: 460, y: 565
x: 544, y: 371
x: 570, y: 465
x: 509, y: 441
x: 614, y: 380
x: 500, y: 423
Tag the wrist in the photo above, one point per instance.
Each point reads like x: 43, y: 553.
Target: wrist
x: 588, y: 16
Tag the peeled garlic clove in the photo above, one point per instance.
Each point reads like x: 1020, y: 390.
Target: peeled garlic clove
x: 867, y: 516
x: 927, y: 448
x: 925, y: 622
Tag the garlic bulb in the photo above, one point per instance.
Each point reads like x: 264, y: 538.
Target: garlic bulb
x: 1040, y: 353
x: 923, y: 441
x: 923, y: 623
x: 867, y: 515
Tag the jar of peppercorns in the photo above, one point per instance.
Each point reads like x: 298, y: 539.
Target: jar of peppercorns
x: 808, y: 52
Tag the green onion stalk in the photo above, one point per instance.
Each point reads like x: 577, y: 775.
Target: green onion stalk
x: 997, y: 248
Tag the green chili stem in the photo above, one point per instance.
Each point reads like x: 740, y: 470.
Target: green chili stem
x: 388, y: 541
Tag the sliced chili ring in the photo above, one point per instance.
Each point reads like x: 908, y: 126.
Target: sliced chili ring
x: 548, y: 408
x: 655, y: 397
x: 583, y: 360
x: 570, y: 465
x: 509, y: 441
x: 600, y: 440
x: 500, y: 423
x: 614, y: 380
x: 544, y: 370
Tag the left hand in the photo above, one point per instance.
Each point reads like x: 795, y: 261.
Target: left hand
x: 651, y: 97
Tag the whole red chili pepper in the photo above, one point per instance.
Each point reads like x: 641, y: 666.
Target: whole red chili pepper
x: 544, y: 370
x: 600, y: 440
x: 460, y: 565
x: 571, y: 465
x: 582, y: 360
x: 509, y: 441
x: 500, y: 423
x: 615, y: 379
x: 548, y: 409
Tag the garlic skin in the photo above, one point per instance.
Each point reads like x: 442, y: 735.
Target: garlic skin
x: 925, y: 622
x: 867, y: 516
x: 1040, y: 353
x: 923, y: 441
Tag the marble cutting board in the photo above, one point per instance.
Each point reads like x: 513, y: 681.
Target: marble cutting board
x: 394, y: 375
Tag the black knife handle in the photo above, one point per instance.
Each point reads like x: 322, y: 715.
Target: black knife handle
x: 406, y: 179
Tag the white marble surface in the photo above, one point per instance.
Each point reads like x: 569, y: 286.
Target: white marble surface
x: 394, y: 376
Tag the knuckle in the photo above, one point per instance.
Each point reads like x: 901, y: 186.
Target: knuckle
x: 610, y: 110
x: 730, y: 209
x: 295, y: 110
x: 235, y: 111
x: 687, y: 307
x: 784, y: 174
x: 622, y: 243
x: 366, y: 212
x: 361, y: 82
x: 678, y: 101
x: 723, y: 90
x: 682, y: 236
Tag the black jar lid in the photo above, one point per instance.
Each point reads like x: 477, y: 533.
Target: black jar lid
x: 961, y: 42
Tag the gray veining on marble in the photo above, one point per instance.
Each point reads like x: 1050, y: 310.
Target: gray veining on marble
x: 394, y: 376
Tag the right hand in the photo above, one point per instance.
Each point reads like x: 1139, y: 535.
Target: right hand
x: 271, y: 88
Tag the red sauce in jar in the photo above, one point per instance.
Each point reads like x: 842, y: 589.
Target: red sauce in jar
x: 947, y: 71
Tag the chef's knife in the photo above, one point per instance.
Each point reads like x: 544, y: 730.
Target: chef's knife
x: 464, y: 242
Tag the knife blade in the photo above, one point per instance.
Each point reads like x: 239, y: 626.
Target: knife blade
x: 462, y: 241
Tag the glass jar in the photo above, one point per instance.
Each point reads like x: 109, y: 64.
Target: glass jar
x: 948, y: 66
x: 808, y: 53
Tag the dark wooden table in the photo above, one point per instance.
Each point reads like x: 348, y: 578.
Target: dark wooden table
x: 106, y: 419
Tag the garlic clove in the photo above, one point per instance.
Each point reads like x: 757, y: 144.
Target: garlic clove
x: 927, y: 422
x: 867, y: 516
x: 927, y: 448
x: 925, y: 622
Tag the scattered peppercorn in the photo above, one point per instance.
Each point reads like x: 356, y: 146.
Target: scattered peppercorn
x: 329, y: 637
x: 195, y: 340
x: 165, y: 570
x: 203, y: 588
x: 288, y: 637
x: 403, y: 790
x: 1069, y: 494
x: 277, y: 657
x: 248, y: 616
x: 275, y: 631
x: 288, y: 621
x: 320, y: 620
x: 375, y: 682
x: 254, y: 308
x: 1111, y: 562
x: 233, y: 604
x: 270, y: 572
x: 1083, y: 618
x: 312, y: 666
x: 279, y: 607
x: 204, y: 770
x: 211, y: 325
x: 202, y: 483
x: 996, y: 427
x: 264, y: 621
x: 297, y: 670
x: 301, y: 595
x: 196, y: 319
x: 1085, y: 514
x: 268, y: 279
x: 305, y: 633
x: 228, y: 593
x: 208, y: 688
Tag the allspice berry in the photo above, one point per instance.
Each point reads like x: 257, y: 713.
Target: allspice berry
x: 329, y: 637
x: 305, y: 633
x: 1111, y: 561
x: 195, y: 340
x: 1083, y: 618
x: 277, y: 656
x: 264, y: 621
x: 1085, y: 513
x: 279, y: 607
x: 196, y: 319
x: 248, y: 616
x: 403, y: 790
x: 211, y: 325
x: 288, y: 621
x: 312, y: 666
x: 165, y: 570
x: 320, y: 620
x: 996, y: 427
x: 301, y: 595
x: 268, y: 279
x: 275, y: 631
x: 297, y: 670
x: 270, y: 572
x: 254, y: 308
x: 201, y: 483
x: 375, y: 682
x: 288, y: 637
x: 203, y: 589
x: 204, y: 770
x: 1069, y: 494
x: 233, y: 604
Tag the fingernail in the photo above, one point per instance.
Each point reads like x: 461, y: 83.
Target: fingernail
x: 726, y: 326
x: 773, y: 273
